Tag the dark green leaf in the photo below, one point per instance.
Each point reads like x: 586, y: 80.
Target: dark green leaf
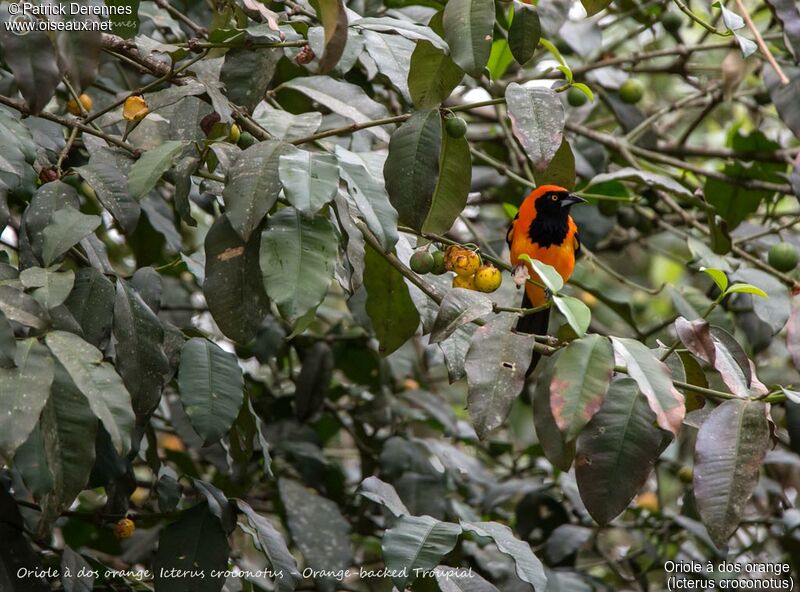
x: 432, y: 75
x: 98, y: 382
x: 556, y: 449
x: 91, y: 303
x: 333, y: 15
x: 194, y: 544
x: 392, y: 55
x: 404, y: 28
x: 253, y: 186
x: 66, y: 229
x: 384, y: 494
x: 412, y: 166
x: 730, y: 447
x: 452, y: 187
x: 417, y: 543
x: 140, y: 358
x: 24, y: 391
x: 49, y: 287
x: 392, y: 312
x: 73, y: 564
x: 644, y: 178
x: 20, y: 307
x: 496, y: 363
x: 774, y: 311
x: 561, y: 170
x: 107, y: 174
x: 32, y: 59
x: 211, y: 388
x: 309, y: 180
x: 8, y: 343
x: 468, y: 29
x: 297, y: 261
x: 458, y: 307
x: 524, y: 32
x: 146, y: 171
x: 246, y: 73
x: 594, y: 6
x: 233, y: 287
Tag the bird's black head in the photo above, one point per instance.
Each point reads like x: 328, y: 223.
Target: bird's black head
x: 556, y: 203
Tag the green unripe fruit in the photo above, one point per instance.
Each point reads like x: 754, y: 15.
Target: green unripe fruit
x: 438, y: 263
x: 686, y: 474
x: 671, y: 21
x: 421, y: 262
x: 627, y: 217
x: 576, y: 98
x: 644, y: 225
x: 246, y: 140
x: 762, y: 97
x: 608, y: 207
x: 455, y: 127
x: 783, y: 257
x: 631, y: 91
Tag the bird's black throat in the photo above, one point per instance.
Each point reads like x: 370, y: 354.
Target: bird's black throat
x: 549, y: 228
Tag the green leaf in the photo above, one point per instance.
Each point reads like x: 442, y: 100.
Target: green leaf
x: 718, y: 276
x: 458, y: 307
x: 416, y: 543
x: 468, y: 30
x: 253, y: 186
x: 49, y: 198
x: 247, y: 71
x: 654, y: 380
x: 32, y: 59
x: 233, y: 288
x: 735, y: 201
x: 107, y: 173
x: 404, y: 28
x: 271, y: 542
x: 139, y: 355
x: 343, y: 98
x: 24, y: 391
x: 432, y: 76
x: 211, y: 388
x: 556, y: 449
x: 333, y: 15
x: 192, y: 545
x: 616, y: 451
x: 537, y: 120
x: 524, y: 32
x: 746, y: 289
x: 575, y: 311
x: 297, y: 259
x: 496, y: 363
x: 730, y: 448
x: 8, y: 343
x: 594, y: 6
x: 66, y: 229
x: 367, y: 195
x: 77, y: 574
x: 153, y: 163
x: 309, y: 180
x: 561, y: 170
x: 384, y: 494
x: 91, y: 304
x: 50, y: 287
x: 528, y: 567
x: 98, y: 382
x: 68, y: 431
x: 500, y: 59
x: 20, y: 307
x: 392, y: 312
x: 412, y: 166
x: 644, y: 178
x: 452, y: 187
x: 392, y: 55
x: 773, y: 310
x: 547, y: 274
x: 315, y: 522
x: 578, y: 388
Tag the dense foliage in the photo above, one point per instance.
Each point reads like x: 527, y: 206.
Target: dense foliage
x: 224, y: 349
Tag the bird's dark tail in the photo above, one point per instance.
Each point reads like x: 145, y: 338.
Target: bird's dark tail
x: 535, y: 324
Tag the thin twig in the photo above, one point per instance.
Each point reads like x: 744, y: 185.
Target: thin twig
x: 761, y: 44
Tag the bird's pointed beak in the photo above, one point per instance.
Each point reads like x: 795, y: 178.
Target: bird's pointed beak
x: 571, y: 200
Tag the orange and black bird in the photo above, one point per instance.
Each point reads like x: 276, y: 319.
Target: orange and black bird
x: 543, y: 230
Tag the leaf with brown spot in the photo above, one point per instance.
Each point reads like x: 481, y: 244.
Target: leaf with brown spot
x: 496, y: 363
x: 616, y: 451
x: 230, y: 253
x: 793, y: 329
x: 556, y: 450
x: 654, y: 380
x: 730, y: 446
x: 581, y: 379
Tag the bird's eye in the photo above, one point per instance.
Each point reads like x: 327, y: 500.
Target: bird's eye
x: 554, y: 197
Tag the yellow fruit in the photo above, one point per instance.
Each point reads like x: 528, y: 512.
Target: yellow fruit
x: 647, y: 501
x: 464, y: 281
x: 75, y: 109
x: 410, y: 384
x: 134, y: 109
x: 235, y: 133
x: 488, y: 278
x: 462, y: 261
x: 124, y: 528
